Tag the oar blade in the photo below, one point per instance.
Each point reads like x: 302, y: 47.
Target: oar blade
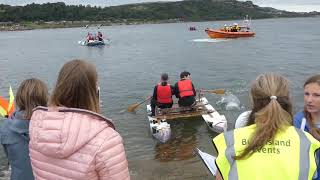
x: 217, y: 91
x: 133, y: 107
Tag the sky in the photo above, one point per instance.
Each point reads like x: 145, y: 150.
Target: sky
x: 289, y: 5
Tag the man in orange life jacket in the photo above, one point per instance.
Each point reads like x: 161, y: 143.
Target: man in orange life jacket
x: 162, y: 94
x: 184, y: 90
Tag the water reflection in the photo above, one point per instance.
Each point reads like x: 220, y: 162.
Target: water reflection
x: 183, y: 140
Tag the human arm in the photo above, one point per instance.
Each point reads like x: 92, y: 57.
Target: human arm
x: 154, y: 96
x: 111, y: 161
x: 194, y: 90
x: 297, y: 120
x: 176, y: 90
x: 218, y: 176
x: 242, y: 119
x: 172, y: 90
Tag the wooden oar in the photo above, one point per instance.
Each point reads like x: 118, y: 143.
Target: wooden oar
x: 214, y: 91
x: 134, y: 106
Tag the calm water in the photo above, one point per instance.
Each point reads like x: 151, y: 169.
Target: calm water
x: 130, y: 67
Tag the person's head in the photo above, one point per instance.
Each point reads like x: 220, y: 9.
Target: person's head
x: 312, y: 94
x: 164, y: 77
x: 271, y: 110
x: 312, y: 103
x: 76, y: 86
x: 30, y: 94
x: 184, y: 75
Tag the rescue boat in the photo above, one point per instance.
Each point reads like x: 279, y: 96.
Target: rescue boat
x: 160, y: 128
x: 212, y: 33
x: 232, y: 31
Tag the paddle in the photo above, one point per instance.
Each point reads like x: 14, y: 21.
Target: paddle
x: 134, y: 106
x: 214, y: 91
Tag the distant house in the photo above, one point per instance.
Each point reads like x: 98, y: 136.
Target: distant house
x: 9, y: 23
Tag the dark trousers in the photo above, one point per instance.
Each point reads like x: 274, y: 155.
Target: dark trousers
x: 159, y: 105
x: 187, y: 101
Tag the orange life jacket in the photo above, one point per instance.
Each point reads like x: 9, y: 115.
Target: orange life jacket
x: 185, y: 88
x: 164, y: 94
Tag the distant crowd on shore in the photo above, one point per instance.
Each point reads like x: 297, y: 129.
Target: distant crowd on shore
x: 65, y: 136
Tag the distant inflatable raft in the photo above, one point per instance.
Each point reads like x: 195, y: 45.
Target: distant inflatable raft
x: 94, y: 43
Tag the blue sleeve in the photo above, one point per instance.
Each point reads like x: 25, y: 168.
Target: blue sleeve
x: 7, y: 136
x: 297, y: 119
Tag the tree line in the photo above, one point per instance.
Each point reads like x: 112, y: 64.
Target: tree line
x: 188, y: 10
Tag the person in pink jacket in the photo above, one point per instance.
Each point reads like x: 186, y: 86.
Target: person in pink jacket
x: 69, y: 139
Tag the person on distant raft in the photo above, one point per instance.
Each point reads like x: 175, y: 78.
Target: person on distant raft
x: 162, y: 94
x: 99, y: 36
x: 90, y: 37
x: 309, y: 119
x: 184, y: 90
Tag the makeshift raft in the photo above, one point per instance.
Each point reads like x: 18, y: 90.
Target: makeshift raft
x: 161, y: 130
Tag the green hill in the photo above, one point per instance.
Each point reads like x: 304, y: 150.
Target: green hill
x: 188, y: 10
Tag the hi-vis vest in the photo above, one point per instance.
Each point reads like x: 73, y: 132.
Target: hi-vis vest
x: 185, y: 88
x: 164, y: 94
x: 291, y: 155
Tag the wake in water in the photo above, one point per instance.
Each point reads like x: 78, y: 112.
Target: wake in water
x: 230, y: 101
x: 210, y: 40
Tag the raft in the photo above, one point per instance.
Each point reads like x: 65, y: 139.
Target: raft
x: 160, y: 128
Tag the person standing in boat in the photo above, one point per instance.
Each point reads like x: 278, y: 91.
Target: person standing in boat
x: 184, y: 90
x: 99, y: 36
x: 286, y: 152
x: 162, y: 94
x: 309, y: 119
x: 14, y: 131
x: 90, y: 37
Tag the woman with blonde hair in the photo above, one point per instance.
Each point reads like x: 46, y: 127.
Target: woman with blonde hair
x: 70, y: 139
x: 309, y: 119
x: 14, y: 131
x: 269, y: 147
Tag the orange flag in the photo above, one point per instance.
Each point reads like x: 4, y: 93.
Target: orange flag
x: 7, y: 108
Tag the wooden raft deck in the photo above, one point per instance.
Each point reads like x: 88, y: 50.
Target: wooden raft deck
x: 181, y: 112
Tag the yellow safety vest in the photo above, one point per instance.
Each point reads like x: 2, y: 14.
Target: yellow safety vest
x: 291, y: 155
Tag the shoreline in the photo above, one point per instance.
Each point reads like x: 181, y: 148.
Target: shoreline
x: 26, y: 26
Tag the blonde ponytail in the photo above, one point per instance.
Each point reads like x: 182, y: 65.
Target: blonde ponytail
x: 272, y: 111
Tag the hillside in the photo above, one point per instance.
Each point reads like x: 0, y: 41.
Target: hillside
x: 188, y: 10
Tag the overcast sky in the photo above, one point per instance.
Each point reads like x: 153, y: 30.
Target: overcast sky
x: 290, y: 5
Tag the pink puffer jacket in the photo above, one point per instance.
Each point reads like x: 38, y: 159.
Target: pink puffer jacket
x: 69, y: 143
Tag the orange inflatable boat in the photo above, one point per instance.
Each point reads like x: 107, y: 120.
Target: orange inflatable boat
x: 212, y: 33
x: 232, y: 31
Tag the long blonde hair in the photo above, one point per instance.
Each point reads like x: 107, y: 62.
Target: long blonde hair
x: 76, y: 86
x: 30, y: 94
x: 269, y: 114
x: 314, y: 131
